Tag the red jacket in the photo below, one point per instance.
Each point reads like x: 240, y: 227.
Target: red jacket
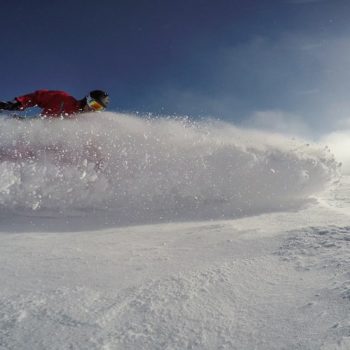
x: 53, y: 103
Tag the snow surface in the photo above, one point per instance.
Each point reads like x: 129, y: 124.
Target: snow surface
x: 118, y: 232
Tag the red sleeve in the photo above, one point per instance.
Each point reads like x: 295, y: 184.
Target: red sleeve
x: 32, y: 100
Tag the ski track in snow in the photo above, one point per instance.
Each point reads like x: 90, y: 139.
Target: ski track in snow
x: 79, y: 280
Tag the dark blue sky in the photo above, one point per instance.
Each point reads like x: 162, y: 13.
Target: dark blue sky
x: 225, y: 58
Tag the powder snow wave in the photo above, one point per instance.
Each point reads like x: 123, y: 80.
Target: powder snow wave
x: 147, y: 169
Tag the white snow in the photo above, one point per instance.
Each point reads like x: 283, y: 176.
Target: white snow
x: 146, y: 170
x: 165, y: 234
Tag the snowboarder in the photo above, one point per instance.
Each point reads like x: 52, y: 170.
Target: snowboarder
x: 58, y: 103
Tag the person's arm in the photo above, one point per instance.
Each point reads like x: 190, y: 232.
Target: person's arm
x: 22, y: 102
x: 10, y: 105
x: 29, y: 100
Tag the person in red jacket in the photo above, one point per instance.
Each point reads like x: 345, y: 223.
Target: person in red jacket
x: 58, y: 103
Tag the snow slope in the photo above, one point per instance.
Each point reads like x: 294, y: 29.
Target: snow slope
x: 272, y: 275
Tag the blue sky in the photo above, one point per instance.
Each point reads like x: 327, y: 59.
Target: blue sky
x: 233, y: 60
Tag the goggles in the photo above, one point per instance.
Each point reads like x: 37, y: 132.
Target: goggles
x: 94, y: 105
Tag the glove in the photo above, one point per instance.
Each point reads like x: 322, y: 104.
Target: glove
x: 10, y: 106
x: 3, y: 105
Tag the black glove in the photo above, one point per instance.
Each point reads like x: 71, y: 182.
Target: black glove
x: 10, y: 106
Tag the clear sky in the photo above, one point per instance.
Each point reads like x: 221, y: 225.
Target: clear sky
x: 229, y: 59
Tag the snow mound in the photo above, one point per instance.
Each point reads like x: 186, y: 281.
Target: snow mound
x: 154, y: 169
x: 207, y: 309
x: 319, y: 247
x: 325, y: 249
x: 322, y: 248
